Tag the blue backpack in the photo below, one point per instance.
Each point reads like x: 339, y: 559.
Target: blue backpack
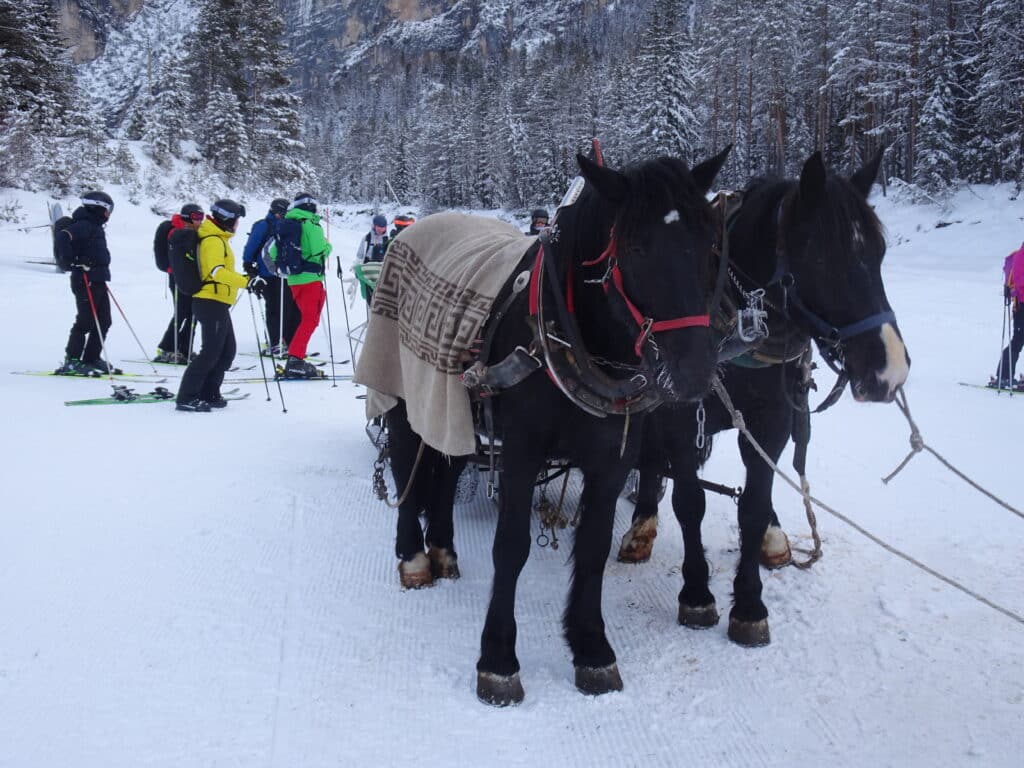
x: 288, y: 239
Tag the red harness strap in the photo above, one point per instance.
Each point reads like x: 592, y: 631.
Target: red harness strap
x: 648, y: 325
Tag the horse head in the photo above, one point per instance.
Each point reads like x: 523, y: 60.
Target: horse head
x: 654, y: 230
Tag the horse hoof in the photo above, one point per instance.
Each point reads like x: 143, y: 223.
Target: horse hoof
x: 597, y: 680
x: 499, y: 690
x: 775, y: 552
x: 638, y: 541
x: 443, y: 564
x: 415, y: 573
x: 750, y: 634
x: 698, y: 616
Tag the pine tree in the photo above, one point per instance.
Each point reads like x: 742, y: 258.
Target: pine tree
x: 935, y: 166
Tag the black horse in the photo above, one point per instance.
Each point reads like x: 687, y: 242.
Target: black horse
x: 629, y: 330
x: 815, y: 246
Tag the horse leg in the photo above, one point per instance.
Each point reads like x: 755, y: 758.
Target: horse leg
x: 748, y: 620
x: 497, y: 670
x: 638, y: 541
x: 444, y: 562
x: 696, y: 602
x: 592, y: 654
x: 403, y: 445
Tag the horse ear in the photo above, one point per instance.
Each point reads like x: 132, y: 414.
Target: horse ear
x: 812, y: 181
x: 609, y: 183
x: 704, y: 174
x: 864, y: 179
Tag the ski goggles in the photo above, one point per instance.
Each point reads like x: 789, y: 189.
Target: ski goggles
x: 194, y: 216
x: 224, y: 213
x: 305, y: 200
x: 100, y: 203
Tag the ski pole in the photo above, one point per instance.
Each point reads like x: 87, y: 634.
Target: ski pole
x: 96, y: 320
x: 330, y: 340
x: 177, y: 326
x: 125, y: 317
x: 256, y: 330
x: 1002, y: 346
x: 348, y: 326
x: 280, y: 321
x: 273, y: 360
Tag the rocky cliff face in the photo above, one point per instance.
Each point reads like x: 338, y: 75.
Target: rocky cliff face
x: 86, y: 24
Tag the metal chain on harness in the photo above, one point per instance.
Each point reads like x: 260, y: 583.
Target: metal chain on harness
x: 552, y: 517
x: 380, y: 486
x: 701, y: 418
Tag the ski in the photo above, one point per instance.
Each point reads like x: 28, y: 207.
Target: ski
x: 232, y: 369
x: 1018, y: 389
x: 313, y: 358
x: 140, y: 377
x: 159, y: 395
x: 259, y: 380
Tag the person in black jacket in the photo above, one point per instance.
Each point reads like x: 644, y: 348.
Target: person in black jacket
x: 83, y: 247
x: 176, y: 343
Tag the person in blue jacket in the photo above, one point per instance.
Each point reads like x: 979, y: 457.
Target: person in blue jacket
x: 261, y: 236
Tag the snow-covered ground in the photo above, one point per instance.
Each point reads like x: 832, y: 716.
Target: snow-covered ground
x: 220, y: 589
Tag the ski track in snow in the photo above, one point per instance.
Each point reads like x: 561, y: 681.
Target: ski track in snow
x: 177, y: 592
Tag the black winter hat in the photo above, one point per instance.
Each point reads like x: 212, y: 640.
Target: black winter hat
x: 305, y: 201
x: 192, y: 212
x: 99, y: 200
x: 539, y: 213
x: 279, y: 206
x: 226, y: 212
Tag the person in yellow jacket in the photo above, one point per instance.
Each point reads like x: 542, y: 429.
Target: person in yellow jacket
x: 211, y: 308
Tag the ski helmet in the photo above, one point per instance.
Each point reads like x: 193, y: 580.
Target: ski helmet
x: 305, y: 201
x: 226, y: 213
x: 192, y: 212
x: 279, y: 206
x: 539, y: 213
x: 380, y: 221
x: 99, y: 200
x: 403, y: 220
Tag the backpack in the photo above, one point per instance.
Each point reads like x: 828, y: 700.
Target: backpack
x: 288, y: 239
x: 59, y: 226
x: 163, y: 261
x: 182, y: 252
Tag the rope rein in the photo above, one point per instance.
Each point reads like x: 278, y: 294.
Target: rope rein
x: 917, y: 444
x: 804, y: 490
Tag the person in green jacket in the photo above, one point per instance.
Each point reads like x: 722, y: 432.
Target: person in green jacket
x: 307, y: 285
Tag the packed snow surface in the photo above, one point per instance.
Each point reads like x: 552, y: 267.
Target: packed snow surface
x: 220, y: 589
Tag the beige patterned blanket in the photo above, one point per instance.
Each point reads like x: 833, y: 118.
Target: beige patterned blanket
x: 439, y: 281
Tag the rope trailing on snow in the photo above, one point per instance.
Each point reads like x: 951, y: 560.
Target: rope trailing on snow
x: 739, y: 423
x: 917, y: 444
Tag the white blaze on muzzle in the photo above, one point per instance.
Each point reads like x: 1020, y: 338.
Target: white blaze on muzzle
x: 896, y: 367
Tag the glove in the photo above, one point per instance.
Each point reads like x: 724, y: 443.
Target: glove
x: 256, y: 285
x: 250, y: 268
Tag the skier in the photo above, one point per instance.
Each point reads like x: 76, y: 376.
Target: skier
x: 400, y: 223
x: 280, y: 329
x: 176, y: 343
x: 1013, y: 293
x: 211, y: 307
x: 370, y: 256
x: 538, y: 221
x: 82, y: 246
x: 307, y: 286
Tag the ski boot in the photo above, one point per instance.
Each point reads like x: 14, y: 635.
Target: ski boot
x: 297, y: 368
x: 72, y: 366
x: 102, y: 369
x: 195, y: 405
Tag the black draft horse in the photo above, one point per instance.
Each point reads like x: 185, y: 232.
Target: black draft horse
x: 633, y: 252
x: 816, y: 247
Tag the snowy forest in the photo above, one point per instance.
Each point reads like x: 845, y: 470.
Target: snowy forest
x: 251, y: 95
